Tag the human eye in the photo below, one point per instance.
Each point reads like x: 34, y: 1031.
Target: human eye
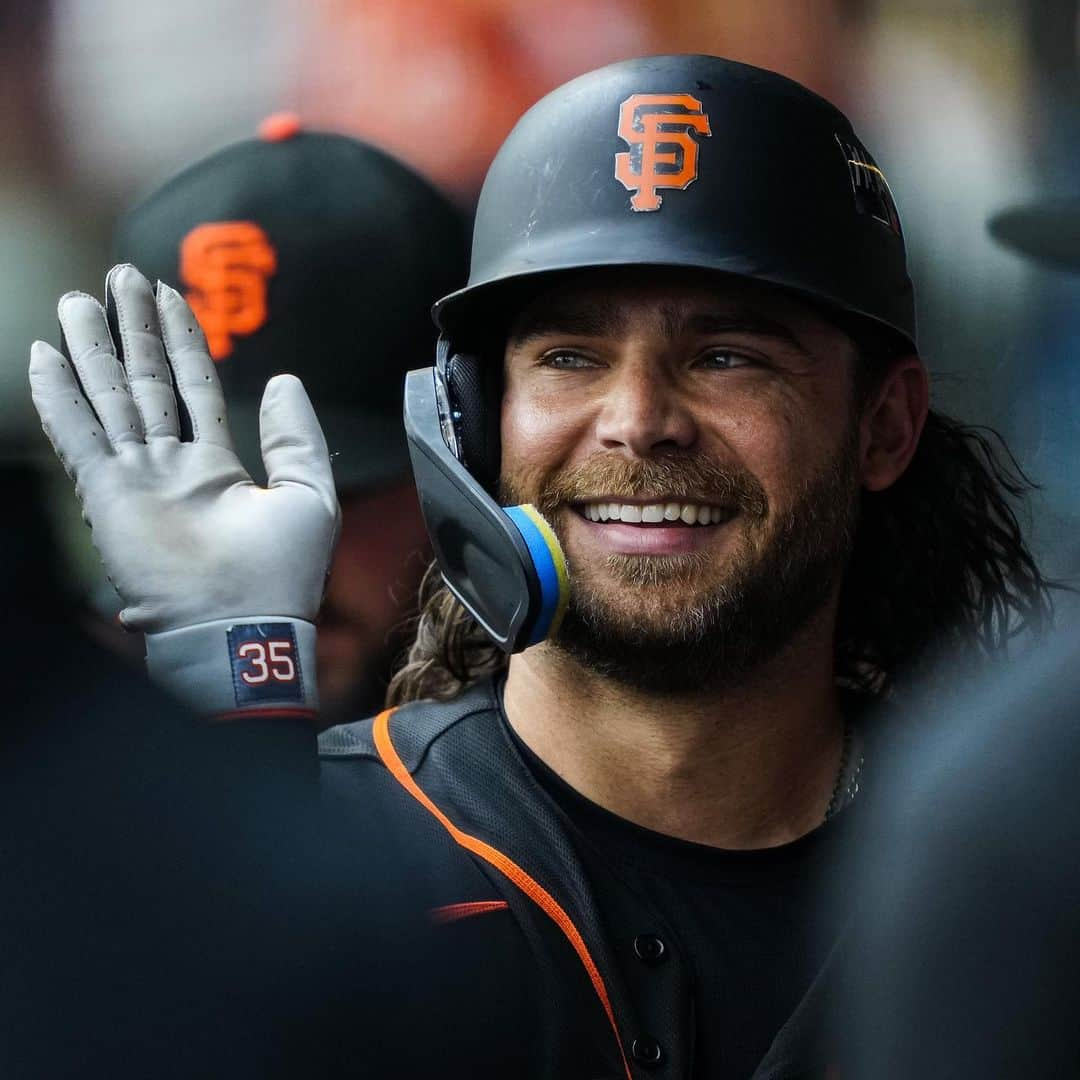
x: 567, y: 360
x: 724, y: 360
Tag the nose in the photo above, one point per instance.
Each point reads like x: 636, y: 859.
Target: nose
x: 644, y: 412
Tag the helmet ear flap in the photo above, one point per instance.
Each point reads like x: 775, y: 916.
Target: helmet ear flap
x: 474, y: 390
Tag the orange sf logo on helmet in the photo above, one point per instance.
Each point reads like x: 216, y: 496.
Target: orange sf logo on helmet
x: 662, y: 153
x: 225, y: 265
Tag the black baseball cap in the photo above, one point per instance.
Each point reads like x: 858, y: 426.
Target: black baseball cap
x: 312, y: 253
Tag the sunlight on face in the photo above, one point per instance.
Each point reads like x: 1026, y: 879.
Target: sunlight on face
x: 691, y: 440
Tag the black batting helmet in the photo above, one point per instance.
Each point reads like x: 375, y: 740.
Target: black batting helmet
x: 696, y: 162
x: 669, y: 161
x: 678, y: 161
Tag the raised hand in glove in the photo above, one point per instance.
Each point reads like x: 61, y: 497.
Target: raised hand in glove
x: 225, y: 577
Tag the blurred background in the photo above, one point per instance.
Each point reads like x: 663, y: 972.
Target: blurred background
x: 970, y: 106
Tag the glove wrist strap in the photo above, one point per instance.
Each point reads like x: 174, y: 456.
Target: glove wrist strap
x: 261, y: 665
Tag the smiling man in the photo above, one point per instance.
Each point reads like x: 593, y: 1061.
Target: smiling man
x: 692, y: 514
x: 694, y: 443
x: 694, y: 449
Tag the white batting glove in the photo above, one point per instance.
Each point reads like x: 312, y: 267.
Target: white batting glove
x: 224, y: 577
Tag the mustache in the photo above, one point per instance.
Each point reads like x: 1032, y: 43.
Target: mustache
x: 684, y: 477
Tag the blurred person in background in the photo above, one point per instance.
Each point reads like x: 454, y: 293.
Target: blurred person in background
x: 967, y: 936
x: 703, y: 380
x: 1039, y: 231
x: 319, y: 254
x: 480, y: 62
x: 173, y: 898
x: 167, y: 904
x: 964, y: 946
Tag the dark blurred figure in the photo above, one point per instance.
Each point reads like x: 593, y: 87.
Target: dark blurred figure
x: 173, y: 900
x: 1047, y: 228
x: 271, y: 240
x: 1047, y: 231
x: 964, y: 954
x: 1043, y: 229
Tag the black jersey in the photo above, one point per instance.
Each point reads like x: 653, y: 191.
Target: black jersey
x: 753, y: 927
x: 547, y: 983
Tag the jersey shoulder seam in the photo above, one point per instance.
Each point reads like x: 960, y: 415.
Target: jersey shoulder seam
x: 356, y: 740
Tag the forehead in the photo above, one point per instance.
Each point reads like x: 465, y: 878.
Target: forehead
x: 616, y: 302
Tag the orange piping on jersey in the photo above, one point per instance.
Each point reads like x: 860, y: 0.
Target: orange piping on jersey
x: 504, y: 864
x: 450, y: 913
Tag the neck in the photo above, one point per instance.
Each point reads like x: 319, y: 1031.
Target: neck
x: 750, y: 766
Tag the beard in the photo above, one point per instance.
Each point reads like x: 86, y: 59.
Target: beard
x: 676, y: 623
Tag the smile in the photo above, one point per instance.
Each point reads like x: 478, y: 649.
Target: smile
x: 655, y: 513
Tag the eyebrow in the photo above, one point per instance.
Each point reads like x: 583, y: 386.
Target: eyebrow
x: 741, y: 322
x: 591, y: 321
x: 595, y: 321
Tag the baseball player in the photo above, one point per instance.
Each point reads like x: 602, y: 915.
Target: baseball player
x: 691, y: 514
x: 268, y: 239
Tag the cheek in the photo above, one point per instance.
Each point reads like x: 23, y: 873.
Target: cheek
x: 538, y: 433
x: 781, y: 442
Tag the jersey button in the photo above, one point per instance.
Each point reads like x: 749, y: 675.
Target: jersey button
x: 647, y: 1050
x: 649, y: 949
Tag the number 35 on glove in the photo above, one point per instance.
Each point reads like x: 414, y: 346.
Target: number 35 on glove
x: 224, y: 577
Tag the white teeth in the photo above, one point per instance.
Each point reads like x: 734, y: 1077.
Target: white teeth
x: 655, y: 513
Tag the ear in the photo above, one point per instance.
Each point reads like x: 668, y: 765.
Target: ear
x: 892, y: 422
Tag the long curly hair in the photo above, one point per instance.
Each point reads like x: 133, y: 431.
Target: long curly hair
x: 939, y: 562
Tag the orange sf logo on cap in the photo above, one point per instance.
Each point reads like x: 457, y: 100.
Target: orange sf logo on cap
x: 663, y: 153
x: 225, y: 265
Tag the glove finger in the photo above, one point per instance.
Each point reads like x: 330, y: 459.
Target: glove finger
x: 195, y: 372
x: 196, y: 375
x: 66, y: 416
x: 89, y: 346
x: 293, y: 447
x: 130, y: 301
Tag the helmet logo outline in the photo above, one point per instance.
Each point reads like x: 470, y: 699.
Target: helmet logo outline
x: 226, y: 266
x: 870, y: 186
x: 663, y: 153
